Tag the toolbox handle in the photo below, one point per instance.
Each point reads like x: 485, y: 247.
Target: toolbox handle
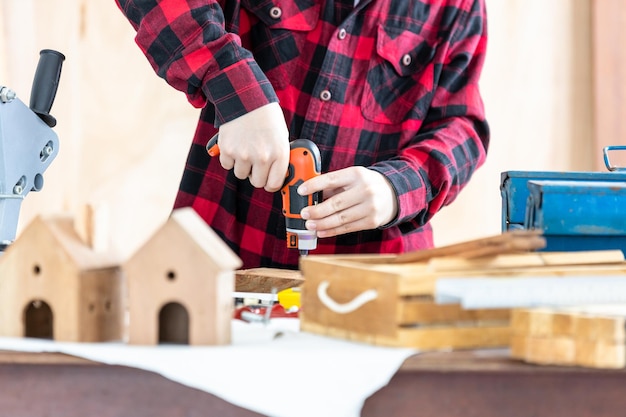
x: 608, y: 164
x: 353, y: 305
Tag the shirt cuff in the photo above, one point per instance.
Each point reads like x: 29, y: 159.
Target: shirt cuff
x: 238, y: 89
x: 409, y: 189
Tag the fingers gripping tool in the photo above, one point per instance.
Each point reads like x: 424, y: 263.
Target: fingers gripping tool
x: 304, y: 164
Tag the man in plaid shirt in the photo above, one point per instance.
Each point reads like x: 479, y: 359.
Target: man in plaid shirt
x: 387, y: 89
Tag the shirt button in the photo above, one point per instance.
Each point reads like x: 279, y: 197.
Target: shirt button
x: 406, y: 60
x: 342, y: 33
x: 325, y: 95
x: 276, y: 12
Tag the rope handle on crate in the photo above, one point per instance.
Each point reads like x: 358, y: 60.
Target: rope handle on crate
x: 607, y: 162
x: 345, y: 308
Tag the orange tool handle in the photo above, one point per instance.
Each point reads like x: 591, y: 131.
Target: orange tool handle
x: 304, y: 164
x: 212, y: 148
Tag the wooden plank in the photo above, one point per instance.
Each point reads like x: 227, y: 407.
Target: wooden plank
x: 426, y: 311
x: 262, y: 280
x: 470, y: 337
x: 508, y: 242
x: 425, y: 338
x: 537, y: 259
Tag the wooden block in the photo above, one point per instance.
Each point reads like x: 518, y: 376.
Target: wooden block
x: 601, y: 328
x: 557, y: 350
x: 264, y: 279
x: 576, y: 336
x: 564, y: 324
x: 600, y: 354
x: 519, y: 346
x: 532, y: 322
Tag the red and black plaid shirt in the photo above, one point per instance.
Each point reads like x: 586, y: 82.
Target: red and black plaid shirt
x: 391, y: 85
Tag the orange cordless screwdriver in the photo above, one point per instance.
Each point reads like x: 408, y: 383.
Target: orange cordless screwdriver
x: 304, y: 163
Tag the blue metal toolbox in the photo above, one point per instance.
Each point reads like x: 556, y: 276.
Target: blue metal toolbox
x: 574, y: 210
x: 578, y: 215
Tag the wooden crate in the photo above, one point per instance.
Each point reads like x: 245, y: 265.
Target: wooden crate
x: 377, y: 300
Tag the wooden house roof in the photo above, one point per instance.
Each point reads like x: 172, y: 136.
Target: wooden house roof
x: 61, y: 228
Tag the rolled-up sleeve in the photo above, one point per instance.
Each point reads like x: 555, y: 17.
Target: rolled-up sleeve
x: 187, y: 45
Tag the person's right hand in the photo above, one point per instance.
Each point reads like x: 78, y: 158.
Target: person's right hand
x: 256, y: 146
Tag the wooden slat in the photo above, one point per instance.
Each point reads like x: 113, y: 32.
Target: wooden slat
x: 262, y: 280
x: 510, y: 242
x: 419, y: 311
x: 425, y: 338
x: 487, y: 336
x: 537, y: 259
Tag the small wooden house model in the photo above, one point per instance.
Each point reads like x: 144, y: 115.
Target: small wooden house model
x: 180, y: 285
x: 54, y: 285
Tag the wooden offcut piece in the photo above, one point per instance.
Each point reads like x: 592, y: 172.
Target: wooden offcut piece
x: 589, y: 336
x: 263, y: 280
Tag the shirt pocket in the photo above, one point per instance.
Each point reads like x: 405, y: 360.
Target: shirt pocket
x: 278, y: 31
x: 399, y: 83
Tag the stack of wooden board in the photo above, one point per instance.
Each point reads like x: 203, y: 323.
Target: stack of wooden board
x: 389, y: 300
x: 589, y: 336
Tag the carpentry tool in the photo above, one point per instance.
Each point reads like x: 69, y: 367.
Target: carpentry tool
x: 27, y: 143
x: 304, y: 163
x: 573, y: 210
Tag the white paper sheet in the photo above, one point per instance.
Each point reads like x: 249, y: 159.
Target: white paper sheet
x: 317, y: 376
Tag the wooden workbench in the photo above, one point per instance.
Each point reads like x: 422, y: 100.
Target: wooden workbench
x: 463, y: 383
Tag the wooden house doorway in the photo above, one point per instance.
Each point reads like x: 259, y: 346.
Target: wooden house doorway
x: 174, y: 324
x: 38, y: 320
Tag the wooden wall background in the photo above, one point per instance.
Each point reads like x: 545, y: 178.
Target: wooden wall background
x: 124, y: 133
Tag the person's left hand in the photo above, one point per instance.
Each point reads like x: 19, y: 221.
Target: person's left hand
x: 355, y: 199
